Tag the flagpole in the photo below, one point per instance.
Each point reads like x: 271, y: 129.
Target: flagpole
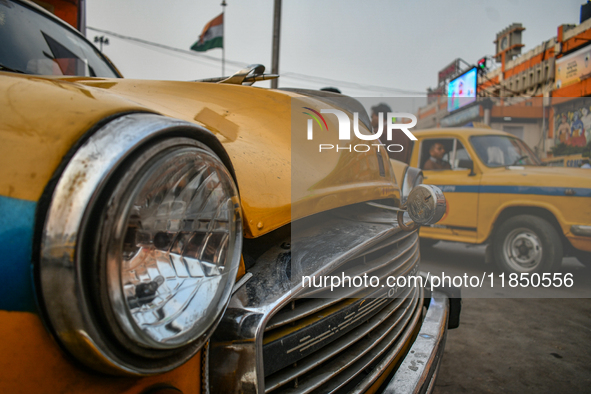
x: 276, y: 34
x: 223, y: 38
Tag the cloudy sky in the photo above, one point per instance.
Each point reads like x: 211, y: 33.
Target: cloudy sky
x: 397, y: 46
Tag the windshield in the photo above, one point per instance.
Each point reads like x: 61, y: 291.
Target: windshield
x: 35, y: 44
x: 500, y: 151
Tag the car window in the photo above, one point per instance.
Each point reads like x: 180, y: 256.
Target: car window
x: 454, y: 158
x: 460, y: 157
x: 32, y: 43
x: 501, y: 150
x: 435, y: 146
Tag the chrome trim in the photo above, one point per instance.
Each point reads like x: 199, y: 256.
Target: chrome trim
x: 245, y: 278
x: 411, y: 175
x: 311, y: 307
x: 237, y: 344
x: 205, y: 369
x: 403, y: 260
x: 419, y: 368
x: 276, y: 380
x: 388, y: 207
x: 582, y: 231
x: 63, y: 291
x: 247, y: 76
x: 324, y: 300
x: 386, y: 339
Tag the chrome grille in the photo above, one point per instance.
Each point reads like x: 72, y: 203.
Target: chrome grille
x: 258, y: 346
x: 326, y: 344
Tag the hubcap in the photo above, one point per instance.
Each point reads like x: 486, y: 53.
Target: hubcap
x: 522, y: 250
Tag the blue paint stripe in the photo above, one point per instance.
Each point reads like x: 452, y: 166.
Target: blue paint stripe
x: 17, y: 221
x: 458, y: 188
x: 537, y: 190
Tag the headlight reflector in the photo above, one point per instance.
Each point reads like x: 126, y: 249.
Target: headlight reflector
x: 166, y: 251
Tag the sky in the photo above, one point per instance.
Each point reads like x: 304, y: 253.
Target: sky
x: 396, y: 46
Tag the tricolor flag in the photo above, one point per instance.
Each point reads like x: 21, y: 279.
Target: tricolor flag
x: 212, y: 35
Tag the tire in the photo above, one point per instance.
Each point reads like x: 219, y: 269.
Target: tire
x: 428, y: 242
x: 527, y: 243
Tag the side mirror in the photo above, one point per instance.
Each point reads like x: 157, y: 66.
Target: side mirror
x: 469, y: 164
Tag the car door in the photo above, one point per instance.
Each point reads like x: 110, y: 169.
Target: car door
x: 460, y: 184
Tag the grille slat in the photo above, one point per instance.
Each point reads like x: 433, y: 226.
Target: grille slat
x: 396, y: 266
x: 388, y: 242
x: 312, y: 306
x: 379, y: 353
x: 354, y: 359
x: 282, y: 377
x: 401, y: 267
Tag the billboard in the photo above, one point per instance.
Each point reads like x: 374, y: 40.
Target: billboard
x: 461, y: 91
x: 448, y: 71
x: 573, y: 68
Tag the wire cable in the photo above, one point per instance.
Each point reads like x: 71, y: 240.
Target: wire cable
x: 291, y: 75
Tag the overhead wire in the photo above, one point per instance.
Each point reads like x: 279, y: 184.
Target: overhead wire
x: 291, y: 75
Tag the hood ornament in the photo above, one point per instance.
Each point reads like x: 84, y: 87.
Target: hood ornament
x: 247, y: 76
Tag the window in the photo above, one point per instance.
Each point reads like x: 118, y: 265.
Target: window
x: 460, y: 158
x: 35, y: 44
x: 443, y: 154
x: 501, y: 150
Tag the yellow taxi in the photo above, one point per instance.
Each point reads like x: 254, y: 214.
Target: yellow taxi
x: 153, y: 233
x: 498, y: 192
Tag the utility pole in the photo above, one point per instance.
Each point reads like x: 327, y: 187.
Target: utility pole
x: 82, y: 17
x: 276, y: 31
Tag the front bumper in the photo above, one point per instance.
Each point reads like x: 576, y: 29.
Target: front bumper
x: 582, y: 231
x: 419, y: 369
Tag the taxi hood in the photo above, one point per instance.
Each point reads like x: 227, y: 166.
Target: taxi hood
x: 49, y: 115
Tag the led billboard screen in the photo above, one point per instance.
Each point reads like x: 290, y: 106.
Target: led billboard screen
x: 461, y: 91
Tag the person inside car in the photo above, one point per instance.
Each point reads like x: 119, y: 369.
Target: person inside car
x: 436, y: 162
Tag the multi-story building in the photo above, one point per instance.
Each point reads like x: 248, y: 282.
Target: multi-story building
x: 530, y: 95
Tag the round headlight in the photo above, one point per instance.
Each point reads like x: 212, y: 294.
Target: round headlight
x: 163, y: 245
x: 145, y: 275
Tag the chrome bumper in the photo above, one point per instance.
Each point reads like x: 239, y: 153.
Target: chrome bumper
x: 418, y: 370
x: 583, y: 231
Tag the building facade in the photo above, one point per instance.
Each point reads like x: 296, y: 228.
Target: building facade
x: 536, y: 96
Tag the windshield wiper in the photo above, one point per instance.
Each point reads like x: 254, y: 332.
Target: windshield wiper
x: 518, y: 160
x: 12, y: 70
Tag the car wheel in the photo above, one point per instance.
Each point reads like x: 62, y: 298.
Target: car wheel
x: 526, y: 243
x: 428, y: 242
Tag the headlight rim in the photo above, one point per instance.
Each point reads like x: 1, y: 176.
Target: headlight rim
x: 63, y: 291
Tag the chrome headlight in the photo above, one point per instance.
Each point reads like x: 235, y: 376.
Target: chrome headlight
x: 141, y: 246
x: 412, y: 177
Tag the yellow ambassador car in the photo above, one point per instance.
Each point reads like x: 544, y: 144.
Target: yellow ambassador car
x: 498, y: 192
x: 146, y: 236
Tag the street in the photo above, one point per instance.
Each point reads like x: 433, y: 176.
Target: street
x: 513, y: 345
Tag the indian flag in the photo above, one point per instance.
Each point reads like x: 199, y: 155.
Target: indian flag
x: 212, y: 35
